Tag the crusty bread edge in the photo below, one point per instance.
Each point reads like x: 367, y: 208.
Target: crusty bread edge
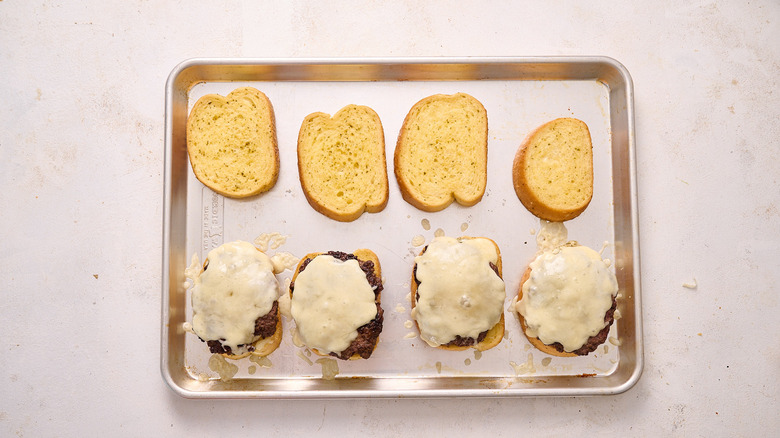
x: 525, y: 194
x: 366, y: 207
x: 363, y: 255
x: 272, y: 121
x: 494, y: 335
x: 403, y: 186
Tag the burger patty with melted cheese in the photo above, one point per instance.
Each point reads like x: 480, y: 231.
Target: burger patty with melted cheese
x: 567, y: 300
x: 234, y: 299
x: 459, y: 293
x: 335, y: 304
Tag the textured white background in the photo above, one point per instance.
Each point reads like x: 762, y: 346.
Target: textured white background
x: 81, y: 161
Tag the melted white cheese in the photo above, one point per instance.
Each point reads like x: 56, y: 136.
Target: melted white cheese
x: 330, y: 368
x: 225, y: 369
x: 268, y: 241
x: 283, y: 261
x: 567, y: 295
x: 551, y: 235
x: 331, y: 300
x: 459, y: 293
x: 284, y: 305
x: 524, y: 368
x: 192, y: 272
x: 237, y: 287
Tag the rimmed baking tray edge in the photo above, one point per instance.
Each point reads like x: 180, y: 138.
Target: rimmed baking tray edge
x: 599, y: 68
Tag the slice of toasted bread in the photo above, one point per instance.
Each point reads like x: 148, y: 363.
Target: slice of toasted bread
x: 341, y: 162
x: 493, y: 336
x: 553, y: 170
x: 231, y: 142
x: 368, y: 334
x: 441, y: 153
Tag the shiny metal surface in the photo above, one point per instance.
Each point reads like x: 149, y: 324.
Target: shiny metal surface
x: 536, y: 81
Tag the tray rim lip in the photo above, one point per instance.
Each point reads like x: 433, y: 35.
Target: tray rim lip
x: 410, y: 60
x: 624, y: 74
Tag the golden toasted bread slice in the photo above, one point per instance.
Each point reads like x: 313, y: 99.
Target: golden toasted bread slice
x: 553, y: 170
x: 441, y: 153
x: 231, y: 142
x: 341, y: 162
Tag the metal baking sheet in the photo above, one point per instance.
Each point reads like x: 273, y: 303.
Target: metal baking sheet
x: 519, y: 95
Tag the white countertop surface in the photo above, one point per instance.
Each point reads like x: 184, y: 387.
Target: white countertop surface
x: 81, y: 160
